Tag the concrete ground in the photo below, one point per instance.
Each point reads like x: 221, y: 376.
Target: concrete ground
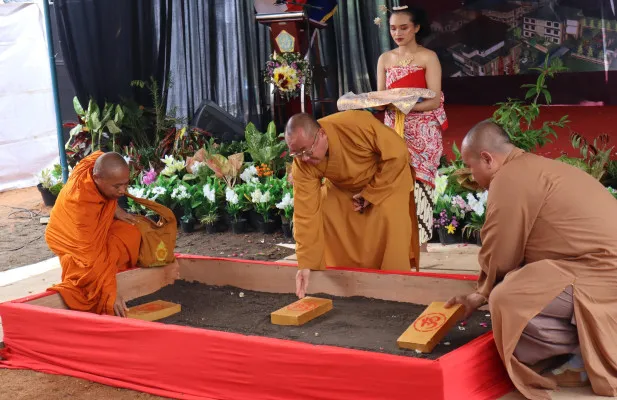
x: 23, y: 281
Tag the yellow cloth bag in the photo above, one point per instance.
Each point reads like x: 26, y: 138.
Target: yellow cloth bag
x: 158, y: 239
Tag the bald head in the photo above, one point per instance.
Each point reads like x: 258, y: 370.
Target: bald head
x: 306, y: 139
x: 489, y: 137
x: 111, y: 175
x: 300, y: 124
x: 109, y: 164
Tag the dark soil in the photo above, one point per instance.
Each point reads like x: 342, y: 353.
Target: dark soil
x: 354, y: 322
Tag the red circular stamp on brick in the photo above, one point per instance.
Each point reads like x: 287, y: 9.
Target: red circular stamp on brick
x: 302, y: 306
x: 429, y: 322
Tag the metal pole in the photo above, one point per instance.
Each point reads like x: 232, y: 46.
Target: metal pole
x: 54, y: 86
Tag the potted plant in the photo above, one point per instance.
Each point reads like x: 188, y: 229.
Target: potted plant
x: 286, y: 205
x: 446, y: 219
x: 478, y: 216
x: 208, y: 205
x: 50, y: 184
x: 184, y: 197
x: 263, y: 201
x: 235, y: 204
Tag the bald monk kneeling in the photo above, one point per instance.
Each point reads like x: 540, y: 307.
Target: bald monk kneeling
x: 548, y: 266
x: 93, y: 237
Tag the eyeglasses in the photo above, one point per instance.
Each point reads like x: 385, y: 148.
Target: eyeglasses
x: 309, y: 152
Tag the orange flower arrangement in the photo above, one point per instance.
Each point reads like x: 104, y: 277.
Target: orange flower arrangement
x: 263, y: 170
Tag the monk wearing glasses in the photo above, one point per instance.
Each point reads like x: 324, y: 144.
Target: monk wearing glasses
x: 353, y: 195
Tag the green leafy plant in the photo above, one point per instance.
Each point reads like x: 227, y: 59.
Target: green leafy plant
x: 51, y: 179
x: 95, y: 121
x: 595, y: 158
x: 265, y: 148
x: 517, y: 117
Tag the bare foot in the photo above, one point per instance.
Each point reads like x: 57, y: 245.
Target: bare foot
x: 424, y: 248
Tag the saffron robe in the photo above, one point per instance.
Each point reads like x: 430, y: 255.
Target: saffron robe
x: 549, y: 226
x: 366, y: 157
x: 91, y: 244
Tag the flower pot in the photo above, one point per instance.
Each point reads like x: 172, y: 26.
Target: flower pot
x: 211, y: 228
x: 267, y: 227
x: 179, y: 213
x: 287, y: 230
x: 48, y: 198
x: 445, y: 238
x: 238, y: 226
x: 187, y: 226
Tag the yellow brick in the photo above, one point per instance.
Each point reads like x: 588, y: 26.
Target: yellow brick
x: 430, y: 327
x: 154, y: 310
x: 301, y: 312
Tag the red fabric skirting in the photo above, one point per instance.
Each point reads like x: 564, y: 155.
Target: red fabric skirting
x: 191, y: 363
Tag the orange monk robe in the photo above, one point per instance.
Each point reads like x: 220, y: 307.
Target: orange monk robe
x: 91, y: 244
x: 549, y: 226
x: 367, y: 157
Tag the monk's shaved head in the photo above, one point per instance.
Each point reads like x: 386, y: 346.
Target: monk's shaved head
x: 303, y: 124
x: 305, y: 138
x: 487, y: 136
x: 111, y: 175
x: 109, y: 164
x: 484, y: 150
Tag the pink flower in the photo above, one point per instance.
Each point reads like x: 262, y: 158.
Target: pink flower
x: 149, y: 177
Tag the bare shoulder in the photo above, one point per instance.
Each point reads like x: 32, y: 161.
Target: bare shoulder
x: 387, y: 59
x: 428, y: 54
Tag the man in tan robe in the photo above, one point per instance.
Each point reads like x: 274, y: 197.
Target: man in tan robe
x: 363, y: 214
x: 549, y: 266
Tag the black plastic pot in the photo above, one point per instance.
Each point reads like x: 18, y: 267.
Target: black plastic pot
x: 48, y: 198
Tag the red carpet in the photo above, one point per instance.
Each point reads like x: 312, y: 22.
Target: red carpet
x: 588, y: 121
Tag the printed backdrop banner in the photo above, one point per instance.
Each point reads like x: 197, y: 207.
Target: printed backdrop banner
x: 509, y: 38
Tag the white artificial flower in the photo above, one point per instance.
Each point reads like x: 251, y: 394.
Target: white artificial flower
x: 137, y: 192
x: 249, y: 175
x: 256, y: 196
x: 265, y: 198
x: 286, y: 202
x: 209, y: 193
x: 127, y: 159
x: 180, y: 193
x: 231, y: 196
x: 157, y: 191
x: 377, y: 21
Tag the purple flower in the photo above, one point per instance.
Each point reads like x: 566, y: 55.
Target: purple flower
x: 149, y: 177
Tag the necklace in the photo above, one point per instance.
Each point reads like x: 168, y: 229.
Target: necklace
x: 406, y: 61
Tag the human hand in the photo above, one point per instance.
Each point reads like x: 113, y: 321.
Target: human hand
x: 122, y: 215
x: 120, y: 308
x: 302, y: 281
x: 360, y: 203
x: 470, y: 302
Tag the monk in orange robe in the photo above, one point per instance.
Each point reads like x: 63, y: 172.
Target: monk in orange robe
x: 549, y: 267
x: 93, y: 237
x: 363, y: 213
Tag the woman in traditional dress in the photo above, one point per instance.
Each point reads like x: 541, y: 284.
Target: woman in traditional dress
x: 414, y: 66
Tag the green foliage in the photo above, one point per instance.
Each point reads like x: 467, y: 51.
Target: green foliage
x: 516, y: 117
x: 265, y: 148
x: 595, y: 158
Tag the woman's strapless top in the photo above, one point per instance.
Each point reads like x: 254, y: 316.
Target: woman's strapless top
x: 409, y: 76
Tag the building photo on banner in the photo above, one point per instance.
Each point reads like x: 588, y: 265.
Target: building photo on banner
x: 504, y: 37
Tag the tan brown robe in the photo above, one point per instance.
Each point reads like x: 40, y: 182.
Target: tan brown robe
x: 364, y: 156
x: 548, y: 226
